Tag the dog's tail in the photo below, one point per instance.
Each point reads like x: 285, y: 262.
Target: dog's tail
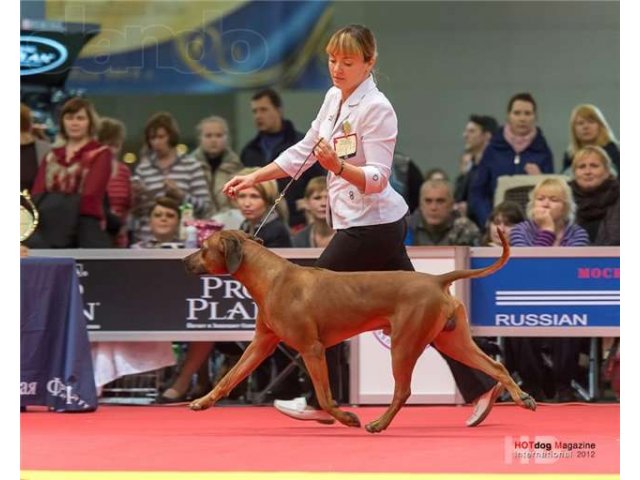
x: 449, y: 278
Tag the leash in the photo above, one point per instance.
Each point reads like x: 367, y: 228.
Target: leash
x: 284, y: 191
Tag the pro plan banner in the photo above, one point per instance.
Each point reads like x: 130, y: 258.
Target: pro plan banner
x: 548, y: 292
x: 159, y: 295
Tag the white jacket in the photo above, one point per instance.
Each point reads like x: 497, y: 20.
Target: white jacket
x: 370, y: 116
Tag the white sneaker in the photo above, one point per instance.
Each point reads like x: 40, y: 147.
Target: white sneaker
x: 484, y: 404
x: 298, y: 409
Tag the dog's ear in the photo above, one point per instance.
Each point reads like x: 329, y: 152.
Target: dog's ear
x: 233, y: 252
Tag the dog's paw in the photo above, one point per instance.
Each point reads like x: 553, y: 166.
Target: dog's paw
x: 528, y: 401
x: 375, y: 427
x: 350, y: 419
x: 200, y: 404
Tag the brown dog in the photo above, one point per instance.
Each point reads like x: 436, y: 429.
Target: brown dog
x: 311, y: 309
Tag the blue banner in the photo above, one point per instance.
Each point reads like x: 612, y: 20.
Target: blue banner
x: 548, y: 292
x: 254, y: 45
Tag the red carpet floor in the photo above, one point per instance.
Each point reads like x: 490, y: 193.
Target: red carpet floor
x: 421, y: 439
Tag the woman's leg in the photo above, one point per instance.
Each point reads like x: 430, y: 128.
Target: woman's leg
x: 197, y: 354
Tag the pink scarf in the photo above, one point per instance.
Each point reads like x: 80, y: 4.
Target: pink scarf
x: 517, y: 142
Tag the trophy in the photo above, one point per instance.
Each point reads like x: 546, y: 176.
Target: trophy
x: 28, y: 216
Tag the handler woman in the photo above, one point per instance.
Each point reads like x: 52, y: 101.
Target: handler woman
x: 358, y: 128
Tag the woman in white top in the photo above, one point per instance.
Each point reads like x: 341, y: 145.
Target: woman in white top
x: 353, y: 137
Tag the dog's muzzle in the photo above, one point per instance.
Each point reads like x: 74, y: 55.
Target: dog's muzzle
x: 193, y: 264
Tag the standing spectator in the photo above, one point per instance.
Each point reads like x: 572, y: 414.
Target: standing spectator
x: 435, y: 173
x: 435, y: 222
x: 71, y: 184
x: 318, y: 233
x: 597, y: 194
x: 218, y: 161
x: 32, y: 149
x: 112, y: 134
x: 406, y: 179
x: 588, y: 126
x: 477, y: 135
x: 518, y: 148
x: 162, y: 172
x: 550, y: 222
x: 275, y: 135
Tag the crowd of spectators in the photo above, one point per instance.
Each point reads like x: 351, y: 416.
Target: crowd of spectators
x: 89, y: 198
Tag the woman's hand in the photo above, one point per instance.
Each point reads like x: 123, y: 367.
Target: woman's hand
x: 173, y: 190
x: 542, y: 218
x: 532, y: 169
x: 327, y: 156
x: 237, y: 184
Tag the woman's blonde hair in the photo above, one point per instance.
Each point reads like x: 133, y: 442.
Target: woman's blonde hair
x: 315, y: 185
x: 269, y: 193
x: 214, y: 119
x: 558, y: 185
x: 593, y: 113
x: 353, y: 39
x: 600, y: 152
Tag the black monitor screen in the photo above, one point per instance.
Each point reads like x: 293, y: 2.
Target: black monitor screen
x: 46, y: 57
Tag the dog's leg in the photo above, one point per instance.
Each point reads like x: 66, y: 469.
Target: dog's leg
x: 316, y: 362
x: 459, y: 345
x: 403, y: 360
x: 263, y: 344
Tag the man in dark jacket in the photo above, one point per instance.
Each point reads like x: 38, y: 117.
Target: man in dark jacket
x: 518, y: 148
x: 275, y: 135
x: 477, y: 135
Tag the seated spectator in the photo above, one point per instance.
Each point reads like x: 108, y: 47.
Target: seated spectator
x: 477, y: 135
x: 164, y: 223
x: 597, y: 194
x: 163, y: 172
x: 218, y: 161
x: 318, y: 233
x: 32, y: 149
x: 254, y: 203
x: 518, y: 148
x: 504, y: 216
x: 435, y: 222
x: 112, y: 134
x: 71, y: 184
x: 551, y: 212
x: 547, y: 365
x: 112, y: 360
x: 587, y: 127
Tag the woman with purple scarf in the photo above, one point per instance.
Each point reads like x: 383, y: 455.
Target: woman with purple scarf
x: 551, y: 211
